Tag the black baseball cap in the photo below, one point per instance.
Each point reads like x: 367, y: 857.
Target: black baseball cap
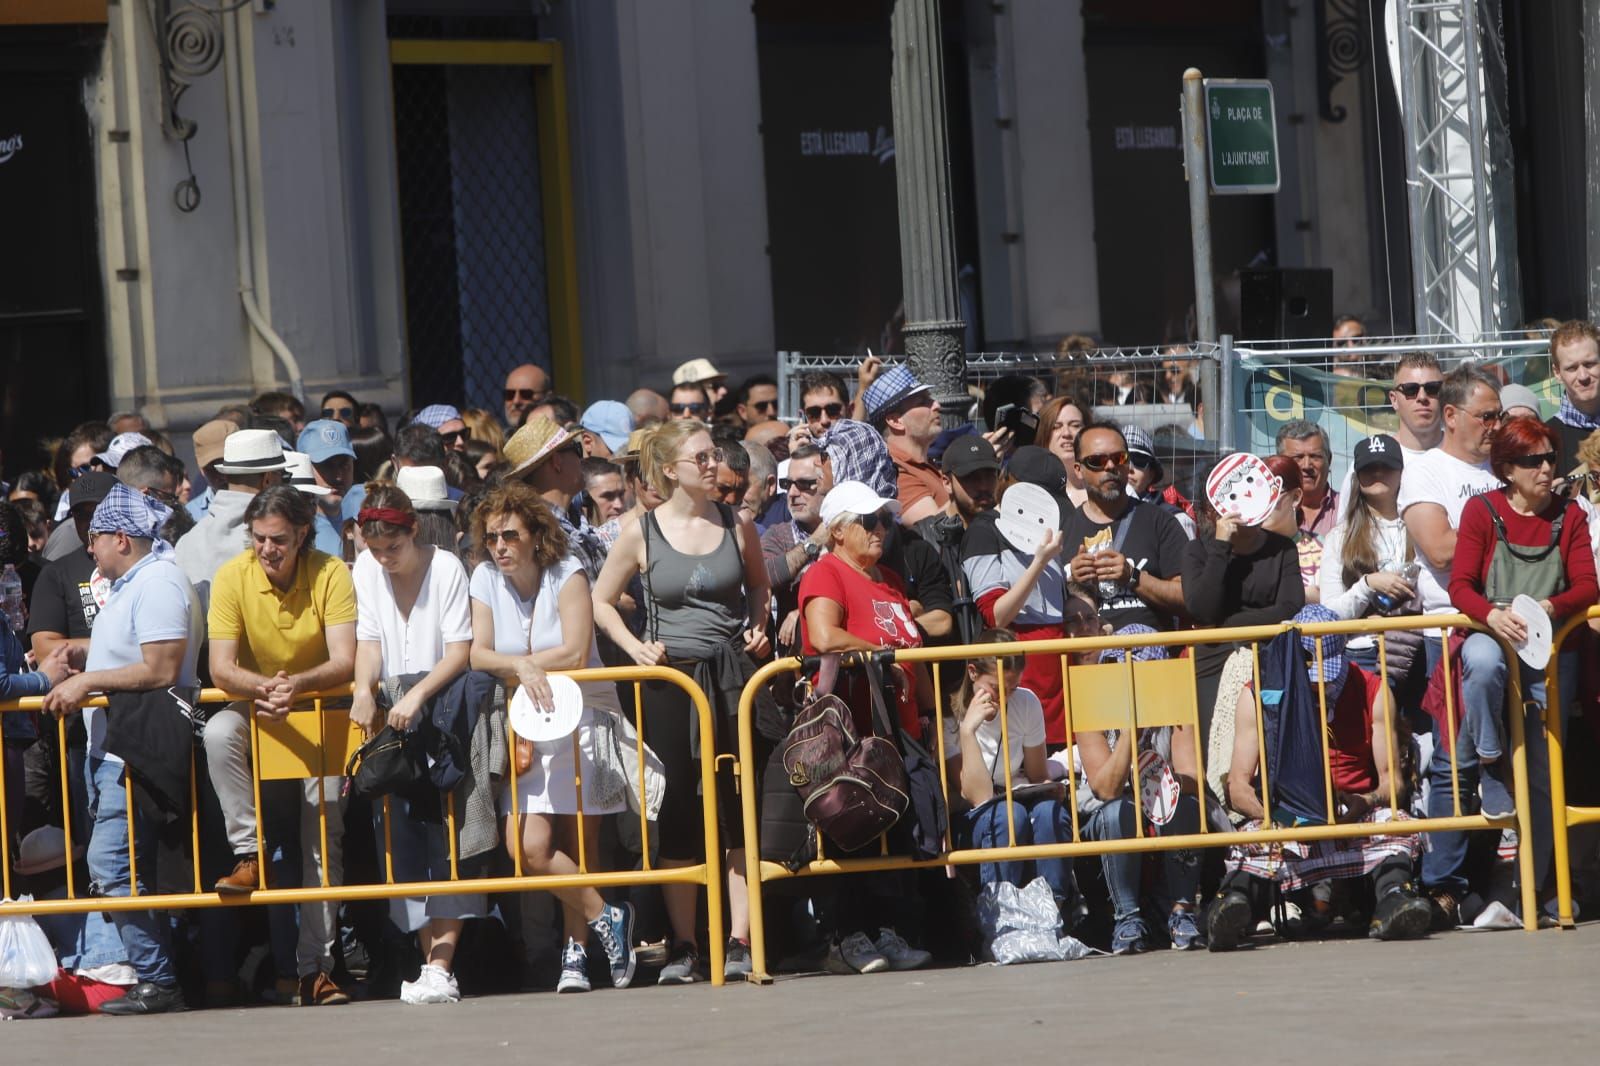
x: 1380, y: 449
x: 968, y: 454
x: 1038, y: 466
x: 92, y: 487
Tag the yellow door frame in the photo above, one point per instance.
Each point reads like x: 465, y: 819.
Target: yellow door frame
x: 543, y: 58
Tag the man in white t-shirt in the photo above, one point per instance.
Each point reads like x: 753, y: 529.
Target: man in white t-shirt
x: 1437, y: 484
x: 1418, y: 381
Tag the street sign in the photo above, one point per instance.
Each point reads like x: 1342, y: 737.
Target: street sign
x: 1241, y: 136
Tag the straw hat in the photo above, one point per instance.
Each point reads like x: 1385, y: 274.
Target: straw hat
x: 537, y: 440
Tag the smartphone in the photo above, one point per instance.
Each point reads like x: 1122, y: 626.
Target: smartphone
x: 1022, y: 422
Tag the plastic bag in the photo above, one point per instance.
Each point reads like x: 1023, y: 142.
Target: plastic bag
x: 1024, y: 924
x: 26, y: 957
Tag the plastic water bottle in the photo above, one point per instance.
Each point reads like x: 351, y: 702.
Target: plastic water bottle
x: 11, y: 598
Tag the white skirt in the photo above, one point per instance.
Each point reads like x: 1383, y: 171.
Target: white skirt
x: 549, y: 785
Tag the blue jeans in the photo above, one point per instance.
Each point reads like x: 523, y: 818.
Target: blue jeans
x: 1180, y: 869
x: 1046, y: 822
x: 144, y: 933
x: 1482, y: 735
x: 82, y: 941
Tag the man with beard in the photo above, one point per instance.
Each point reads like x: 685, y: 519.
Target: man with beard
x: 1131, y: 551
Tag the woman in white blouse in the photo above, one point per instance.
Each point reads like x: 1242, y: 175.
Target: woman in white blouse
x: 412, y: 617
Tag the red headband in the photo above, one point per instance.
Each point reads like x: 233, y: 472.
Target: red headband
x: 390, y: 515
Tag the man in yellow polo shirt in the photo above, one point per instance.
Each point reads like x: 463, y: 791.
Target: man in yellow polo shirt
x: 282, y: 622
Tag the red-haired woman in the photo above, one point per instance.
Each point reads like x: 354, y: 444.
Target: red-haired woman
x: 1285, y: 520
x: 1521, y: 539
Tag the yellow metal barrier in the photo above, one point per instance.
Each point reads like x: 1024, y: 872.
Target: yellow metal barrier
x: 316, y: 743
x: 1095, y: 684
x: 1563, y: 817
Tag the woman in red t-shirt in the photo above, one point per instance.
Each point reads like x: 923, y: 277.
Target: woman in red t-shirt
x: 849, y: 603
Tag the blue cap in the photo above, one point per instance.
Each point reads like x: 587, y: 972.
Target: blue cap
x: 892, y: 387
x: 324, y: 439
x: 435, y: 415
x: 611, y: 422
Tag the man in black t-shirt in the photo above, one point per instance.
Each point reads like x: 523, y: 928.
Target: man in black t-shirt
x: 64, y: 600
x: 1131, y: 551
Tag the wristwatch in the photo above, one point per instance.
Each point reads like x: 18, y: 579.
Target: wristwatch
x: 812, y: 550
x: 1132, y: 578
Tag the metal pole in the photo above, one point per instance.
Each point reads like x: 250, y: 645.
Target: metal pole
x: 1205, y: 285
x: 934, y: 333
x: 1222, y: 414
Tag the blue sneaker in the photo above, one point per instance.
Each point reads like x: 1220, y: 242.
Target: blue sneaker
x: 574, y: 968
x: 1494, y: 799
x: 1130, y: 936
x: 1183, y: 931
x: 614, y: 927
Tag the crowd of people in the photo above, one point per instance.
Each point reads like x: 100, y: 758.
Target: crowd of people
x: 450, y: 570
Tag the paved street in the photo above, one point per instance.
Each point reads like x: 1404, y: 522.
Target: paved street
x: 1344, y: 1002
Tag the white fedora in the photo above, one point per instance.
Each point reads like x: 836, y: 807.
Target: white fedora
x: 299, y: 473
x: 252, y: 451
x: 426, y: 487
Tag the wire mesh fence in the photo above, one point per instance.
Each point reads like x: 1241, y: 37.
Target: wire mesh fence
x: 472, y: 229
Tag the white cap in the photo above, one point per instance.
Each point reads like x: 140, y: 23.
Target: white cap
x: 854, y: 497
x: 299, y: 474
x: 120, y: 446
x: 426, y: 487
x: 695, y: 371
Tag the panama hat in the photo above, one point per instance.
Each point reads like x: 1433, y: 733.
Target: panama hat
x: 299, y: 474
x: 426, y: 487
x: 537, y: 440
x: 252, y: 451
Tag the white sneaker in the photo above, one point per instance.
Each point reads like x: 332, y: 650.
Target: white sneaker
x: 902, y: 956
x: 855, y: 954
x: 434, y: 984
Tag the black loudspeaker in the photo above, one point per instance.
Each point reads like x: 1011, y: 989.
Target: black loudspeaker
x: 1285, y: 304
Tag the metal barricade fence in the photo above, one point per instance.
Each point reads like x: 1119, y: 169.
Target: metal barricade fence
x: 1163, y: 709
x: 315, y: 742
x: 1563, y: 816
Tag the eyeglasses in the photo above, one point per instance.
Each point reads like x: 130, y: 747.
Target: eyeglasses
x: 1488, y: 418
x: 817, y: 410
x: 525, y: 395
x: 804, y: 484
x: 338, y: 414
x: 510, y: 536
x: 1104, y: 461
x: 703, y: 459
x: 695, y: 409
x: 1410, y: 389
x: 870, y: 522
x: 1534, y: 461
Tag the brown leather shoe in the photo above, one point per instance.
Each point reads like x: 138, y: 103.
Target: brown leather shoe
x: 318, y: 990
x: 246, y: 878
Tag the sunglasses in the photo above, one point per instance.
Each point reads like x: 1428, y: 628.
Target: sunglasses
x: 1488, y: 418
x: 804, y: 484
x: 170, y: 499
x: 704, y: 459
x: 1141, y: 461
x: 1410, y: 389
x: 510, y: 536
x: 79, y: 471
x: 338, y: 414
x: 1104, y: 461
x: 688, y: 408
x: 525, y: 395
x: 456, y: 436
x: 817, y: 410
x: 764, y: 407
x: 870, y: 522
x: 1534, y: 461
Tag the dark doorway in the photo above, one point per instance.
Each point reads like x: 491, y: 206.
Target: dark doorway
x: 53, y: 371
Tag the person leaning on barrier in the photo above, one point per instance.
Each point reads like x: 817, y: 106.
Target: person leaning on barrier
x: 848, y: 602
x: 1519, y: 540
x: 972, y: 753
x: 1235, y: 575
x: 1106, y: 806
x: 412, y: 617
x: 1360, y: 724
x: 282, y: 622
x: 705, y: 598
x: 146, y: 639
x: 532, y: 612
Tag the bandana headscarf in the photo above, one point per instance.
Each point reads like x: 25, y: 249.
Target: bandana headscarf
x: 126, y: 511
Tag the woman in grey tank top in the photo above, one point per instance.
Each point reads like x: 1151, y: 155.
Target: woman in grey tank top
x: 705, y: 603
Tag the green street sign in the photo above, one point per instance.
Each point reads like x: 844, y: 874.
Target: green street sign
x: 1241, y: 136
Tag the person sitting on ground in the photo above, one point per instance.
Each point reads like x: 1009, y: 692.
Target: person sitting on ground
x: 282, y: 622
x: 532, y: 612
x: 1360, y: 740
x: 972, y: 752
x: 1105, y: 803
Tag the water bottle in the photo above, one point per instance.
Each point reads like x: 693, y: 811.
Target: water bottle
x: 1109, y: 590
x: 11, y: 598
